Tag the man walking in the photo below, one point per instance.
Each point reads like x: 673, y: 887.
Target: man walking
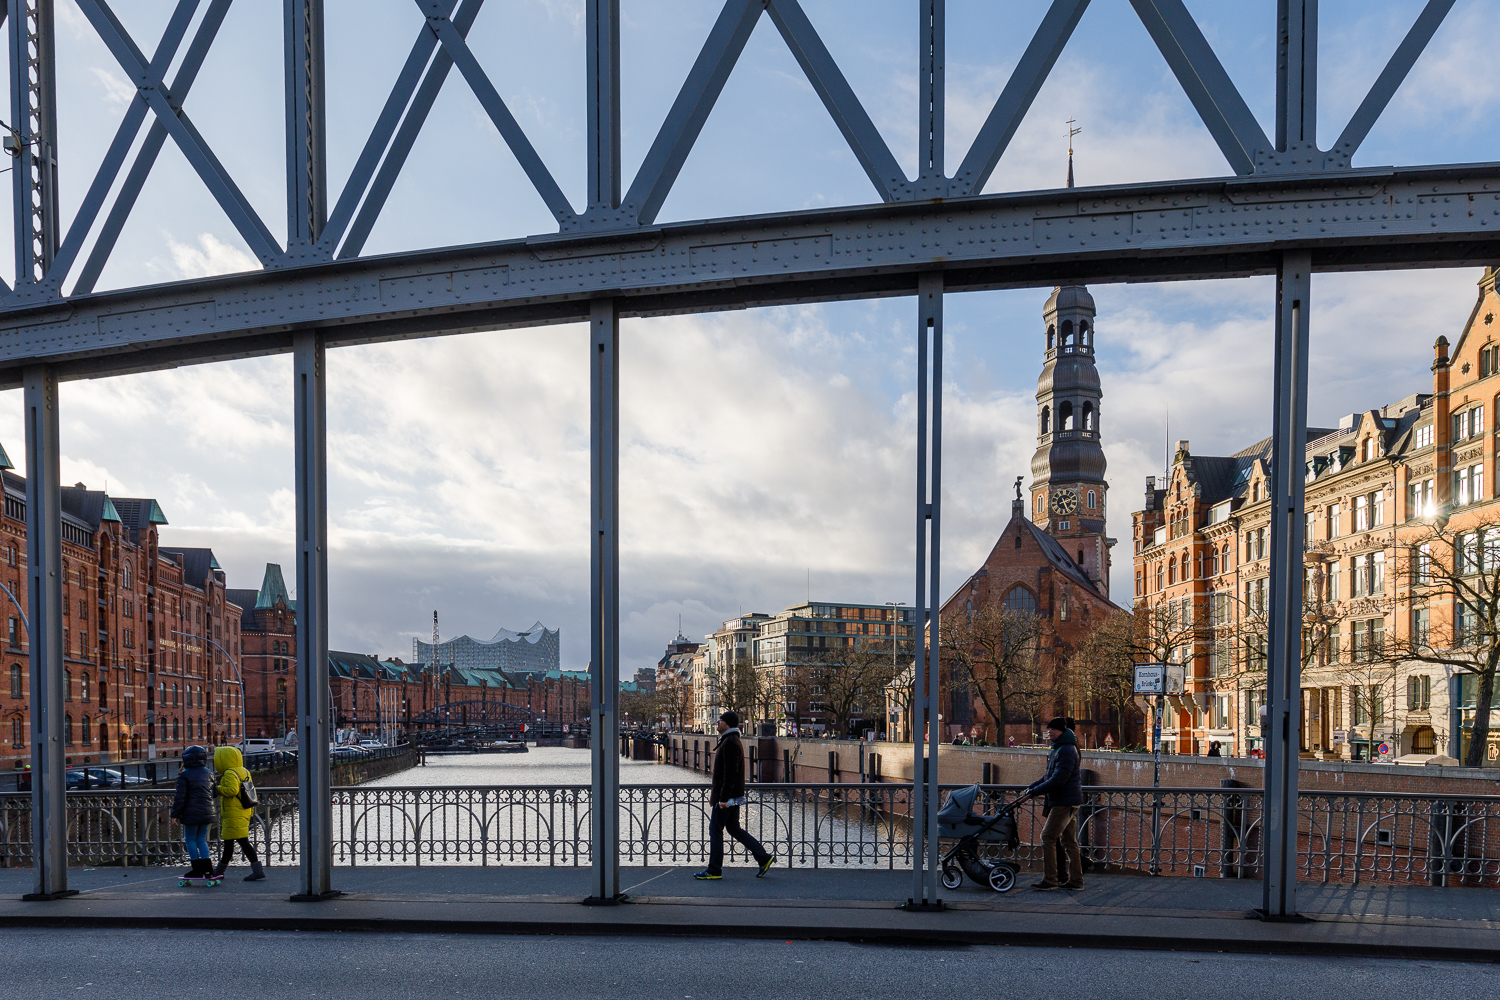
x: 727, y: 794
x: 1063, y: 787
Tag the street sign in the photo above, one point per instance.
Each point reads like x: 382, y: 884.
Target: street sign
x: 1150, y: 678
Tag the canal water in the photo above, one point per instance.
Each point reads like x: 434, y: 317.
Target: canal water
x: 534, y: 808
x: 548, y: 766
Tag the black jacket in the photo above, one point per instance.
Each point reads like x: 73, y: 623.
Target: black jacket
x: 196, y: 797
x: 1063, y: 782
x: 729, y: 768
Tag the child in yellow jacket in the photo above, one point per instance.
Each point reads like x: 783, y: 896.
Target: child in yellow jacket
x: 234, y: 819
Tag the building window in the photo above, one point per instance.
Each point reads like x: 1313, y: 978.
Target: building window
x: 83, y: 687
x: 1018, y: 598
x: 15, y: 680
x: 1420, y: 623
x: 1422, y: 437
x: 1419, y: 499
x: 17, y: 733
x: 15, y: 632
x: 1093, y: 500
x: 85, y: 733
x: 1332, y: 520
x: 67, y: 730
x: 1419, y: 692
x: 67, y: 685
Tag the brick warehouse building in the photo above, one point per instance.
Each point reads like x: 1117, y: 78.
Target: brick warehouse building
x: 1383, y: 489
x: 368, y: 691
x: 140, y: 674
x: 1054, y: 563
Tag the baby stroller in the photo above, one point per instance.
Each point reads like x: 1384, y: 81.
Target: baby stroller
x: 957, y: 821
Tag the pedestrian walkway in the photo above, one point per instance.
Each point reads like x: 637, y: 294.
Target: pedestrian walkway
x: 1130, y: 911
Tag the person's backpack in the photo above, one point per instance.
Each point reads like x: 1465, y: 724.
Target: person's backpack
x: 248, y: 798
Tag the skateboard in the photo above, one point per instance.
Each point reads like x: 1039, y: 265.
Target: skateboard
x: 207, y: 881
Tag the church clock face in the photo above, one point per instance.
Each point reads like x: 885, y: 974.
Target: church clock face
x: 1065, y: 502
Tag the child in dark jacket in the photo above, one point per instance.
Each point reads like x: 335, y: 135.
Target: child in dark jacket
x: 193, y: 807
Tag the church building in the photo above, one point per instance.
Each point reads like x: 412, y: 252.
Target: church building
x: 1053, y: 557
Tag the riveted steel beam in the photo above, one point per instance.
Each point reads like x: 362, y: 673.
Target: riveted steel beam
x: 1362, y: 219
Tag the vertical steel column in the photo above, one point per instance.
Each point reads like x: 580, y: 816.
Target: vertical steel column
x: 33, y: 114
x: 1288, y: 458
x: 49, y: 810
x: 306, y: 135
x: 604, y: 596
x: 604, y: 104
x: 1296, y: 73
x: 314, y: 791
x: 925, y: 721
x: 931, y: 112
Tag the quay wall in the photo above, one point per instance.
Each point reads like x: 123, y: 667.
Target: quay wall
x: 810, y: 760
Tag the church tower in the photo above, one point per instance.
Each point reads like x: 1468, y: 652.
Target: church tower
x: 1067, y: 471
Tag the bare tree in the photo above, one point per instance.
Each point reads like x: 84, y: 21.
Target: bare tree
x: 995, y: 649
x: 1104, y: 665
x: 739, y: 686
x: 1455, y: 572
x: 853, y: 678
x: 675, y: 691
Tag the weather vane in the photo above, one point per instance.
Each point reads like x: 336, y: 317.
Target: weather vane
x: 1071, y: 133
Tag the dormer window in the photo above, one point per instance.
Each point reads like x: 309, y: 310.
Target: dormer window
x: 1369, y: 449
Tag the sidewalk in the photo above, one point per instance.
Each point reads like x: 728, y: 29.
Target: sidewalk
x: 1115, y: 911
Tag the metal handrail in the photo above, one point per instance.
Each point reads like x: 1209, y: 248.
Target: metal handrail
x: 1350, y: 837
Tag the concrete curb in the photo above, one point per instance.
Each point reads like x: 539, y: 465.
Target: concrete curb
x: 1200, y: 931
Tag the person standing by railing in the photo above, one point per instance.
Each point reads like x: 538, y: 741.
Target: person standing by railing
x: 193, y: 808
x: 727, y: 794
x: 234, y: 817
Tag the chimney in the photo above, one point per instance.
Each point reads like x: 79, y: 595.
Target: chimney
x: 1442, y: 429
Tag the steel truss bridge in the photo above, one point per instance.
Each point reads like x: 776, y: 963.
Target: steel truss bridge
x: 1286, y: 207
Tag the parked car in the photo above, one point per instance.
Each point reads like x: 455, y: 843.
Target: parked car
x: 257, y: 746
x: 100, y: 777
x: 372, y: 744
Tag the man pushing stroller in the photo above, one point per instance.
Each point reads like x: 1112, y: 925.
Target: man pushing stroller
x: 1063, y: 787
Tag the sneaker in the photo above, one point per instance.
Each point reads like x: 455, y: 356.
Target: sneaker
x: 705, y: 876
x: 1072, y: 888
x: 765, y: 866
x: 1044, y: 887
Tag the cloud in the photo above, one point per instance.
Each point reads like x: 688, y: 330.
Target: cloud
x: 209, y: 257
x: 117, y: 92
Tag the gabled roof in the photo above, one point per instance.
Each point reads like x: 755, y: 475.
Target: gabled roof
x: 197, y: 564
x: 138, y: 512
x: 1058, y: 556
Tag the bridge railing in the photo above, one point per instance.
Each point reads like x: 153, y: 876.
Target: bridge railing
x: 1214, y: 832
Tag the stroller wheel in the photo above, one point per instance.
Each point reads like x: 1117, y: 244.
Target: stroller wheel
x: 1002, y: 878
x: 952, y: 877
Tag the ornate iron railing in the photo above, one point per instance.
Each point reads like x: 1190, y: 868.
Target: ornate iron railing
x: 1214, y: 832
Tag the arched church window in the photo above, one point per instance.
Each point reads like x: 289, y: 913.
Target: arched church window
x: 1083, y: 335
x: 1093, y: 500
x: 1051, y: 335
x: 1018, y: 598
x: 1066, y: 342
x: 1065, y: 416
x: 1088, y: 416
x: 1046, y: 420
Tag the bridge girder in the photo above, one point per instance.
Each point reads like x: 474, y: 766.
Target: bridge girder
x: 1348, y: 220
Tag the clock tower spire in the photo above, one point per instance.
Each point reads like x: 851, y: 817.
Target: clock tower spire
x: 1067, y: 471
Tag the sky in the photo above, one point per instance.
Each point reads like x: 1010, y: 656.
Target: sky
x: 766, y: 455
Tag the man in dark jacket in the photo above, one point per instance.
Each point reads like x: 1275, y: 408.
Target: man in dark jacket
x: 193, y: 807
x: 726, y: 795
x: 1063, y: 787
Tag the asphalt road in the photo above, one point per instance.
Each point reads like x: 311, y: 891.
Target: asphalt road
x: 226, y: 965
